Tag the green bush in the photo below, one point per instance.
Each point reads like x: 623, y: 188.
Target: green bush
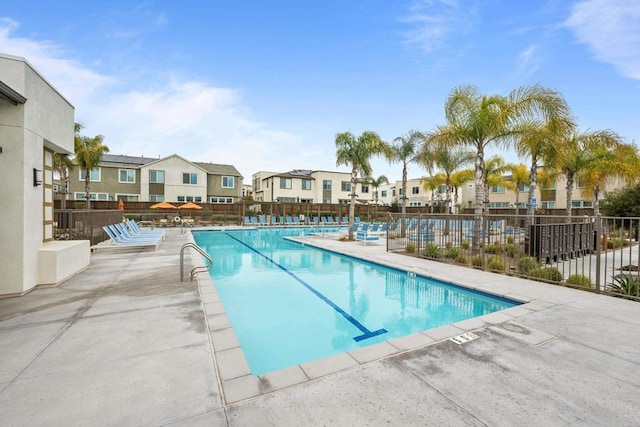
x: 462, y: 259
x: 625, y: 284
x: 431, y: 251
x: 617, y: 243
x: 495, y: 262
x: 465, y: 245
x: 510, y: 240
x: 448, y: 245
x: 453, y: 252
x: 510, y: 249
x: 476, y: 260
x: 411, y: 247
x: 579, y: 280
x: 526, y: 264
x: 551, y: 274
x: 492, y: 248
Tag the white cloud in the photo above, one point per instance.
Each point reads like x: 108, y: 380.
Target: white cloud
x: 528, y: 61
x: 611, y: 29
x: 164, y: 116
x: 433, y: 21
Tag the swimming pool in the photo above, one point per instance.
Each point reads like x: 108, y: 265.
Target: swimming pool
x: 289, y: 303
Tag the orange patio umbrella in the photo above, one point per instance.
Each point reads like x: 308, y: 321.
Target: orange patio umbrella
x: 189, y: 205
x: 163, y: 205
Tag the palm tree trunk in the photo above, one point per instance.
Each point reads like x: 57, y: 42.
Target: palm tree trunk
x: 87, y: 190
x: 570, y: 176
x: 403, y: 230
x: 352, y: 205
x: 596, y: 200
x: 533, y: 184
x: 479, y: 207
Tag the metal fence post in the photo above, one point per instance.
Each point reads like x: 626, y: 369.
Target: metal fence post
x: 598, y: 242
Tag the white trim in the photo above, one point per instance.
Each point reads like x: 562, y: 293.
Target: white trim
x: 128, y: 170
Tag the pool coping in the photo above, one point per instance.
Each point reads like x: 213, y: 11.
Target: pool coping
x: 236, y: 381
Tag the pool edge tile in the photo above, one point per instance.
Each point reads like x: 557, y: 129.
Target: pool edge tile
x: 328, y: 365
x: 373, y: 352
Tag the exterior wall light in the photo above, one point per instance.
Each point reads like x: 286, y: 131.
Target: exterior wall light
x: 37, y: 177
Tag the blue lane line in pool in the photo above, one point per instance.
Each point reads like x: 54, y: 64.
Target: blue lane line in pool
x: 366, y: 333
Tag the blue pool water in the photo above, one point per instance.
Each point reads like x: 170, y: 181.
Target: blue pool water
x: 289, y: 303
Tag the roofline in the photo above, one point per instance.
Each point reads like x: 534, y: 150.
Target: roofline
x: 11, y: 95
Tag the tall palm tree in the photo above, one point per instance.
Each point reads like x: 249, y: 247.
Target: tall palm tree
x: 431, y: 183
x: 376, y: 183
x: 357, y: 152
x: 405, y: 149
x: 623, y: 161
x: 480, y: 121
x: 89, y: 153
x: 579, y: 152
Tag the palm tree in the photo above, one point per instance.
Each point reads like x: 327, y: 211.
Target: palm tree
x: 448, y: 159
x: 376, y: 183
x: 580, y: 151
x: 356, y: 152
x: 494, y: 175
x: 431, y: 183
x: 519, y: 178
x: 481, y: 121
x: 458, y: 179
x: 63, y: 165
x: 406, y: 150
x: 89, y: 153
x: 624, y: 161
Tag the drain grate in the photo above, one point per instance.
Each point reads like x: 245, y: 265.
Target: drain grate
x: 464, y: 338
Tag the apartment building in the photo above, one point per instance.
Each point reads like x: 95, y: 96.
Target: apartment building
x: 307, y: 186
x: 172, y: 179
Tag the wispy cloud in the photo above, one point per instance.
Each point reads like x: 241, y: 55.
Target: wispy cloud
x: 529, y: 61
x: 162, y: 115
x: 434, y: 21
x: 611, y: 30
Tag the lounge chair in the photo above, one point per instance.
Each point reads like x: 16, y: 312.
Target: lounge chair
x: 367, y: 234
x: 137, y: 231
x: 247, y: 221
x: 263, y: 220
x: 330, y: 220
x: 296, y: 220
x: 254, y: 220
x: 117, y: 240
x: 274, y: 220
x: 289, y: 220
x: 323, y: 220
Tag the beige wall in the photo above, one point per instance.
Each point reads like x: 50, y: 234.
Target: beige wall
x: 45, y: 120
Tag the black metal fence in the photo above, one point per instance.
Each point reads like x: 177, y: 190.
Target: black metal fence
x: 84, y: 225
x: 595, y: 253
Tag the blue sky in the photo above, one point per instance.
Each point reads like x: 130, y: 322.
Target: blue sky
x: 267, y: 85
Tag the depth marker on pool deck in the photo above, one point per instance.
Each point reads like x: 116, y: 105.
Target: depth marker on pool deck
x: 366, y: 333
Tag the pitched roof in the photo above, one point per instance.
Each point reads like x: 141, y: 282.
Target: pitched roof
x: 129, y: 160
x: 217, y: 169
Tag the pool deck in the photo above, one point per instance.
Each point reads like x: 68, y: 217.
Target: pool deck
x: 125, y: 343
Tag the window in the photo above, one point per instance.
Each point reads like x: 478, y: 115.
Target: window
x: 285, y: 183
x: 393, y: 193
x: 156, y: 177
x: 523, y: 187
x: 306, y: 200
x: 287, y: 199
x: 548, y: 205
x: 92, y: 196
x: 415, y: 204
x: 549, y: 186
x: 156, y: 197
x: 415, y: 190
x: 306, y: 184
x: 497, y: 189
x: 95, y: 175
x: 383, y: 193
x: 127, y: 176
x: 326, y: 185
x: 365, y: 188
x: 228, y: 182
x: 399, y: 191
x: 196, y: 199
x: 346, y: 186
x: 344, y: 201
x: 442, y: 189
x: 499, y: 205
x: 580, y: 204
x: 221, y: 199
x: 127, y: 197
x: 190, y: 178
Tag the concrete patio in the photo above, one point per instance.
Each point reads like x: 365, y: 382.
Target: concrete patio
x: 125, y: 343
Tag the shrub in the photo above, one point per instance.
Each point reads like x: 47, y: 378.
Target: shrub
x: 625, y: 284
x: 492, y: 248
x: 462, y: 259
x: 510, y: 249
x: 453, y: 252
x: 551, y: 274
x: 617, y: 243
x: 476, y: 260
x: 579, y: 280
x: 510, y: 240
x: 411, y: 247
x: 431, y: 251
x: 495, y: 262
x: 526, y: 264
x: 465, y: 245
x: 448, y: 245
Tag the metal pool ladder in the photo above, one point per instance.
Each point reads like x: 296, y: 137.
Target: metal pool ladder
x: 198, y: 269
